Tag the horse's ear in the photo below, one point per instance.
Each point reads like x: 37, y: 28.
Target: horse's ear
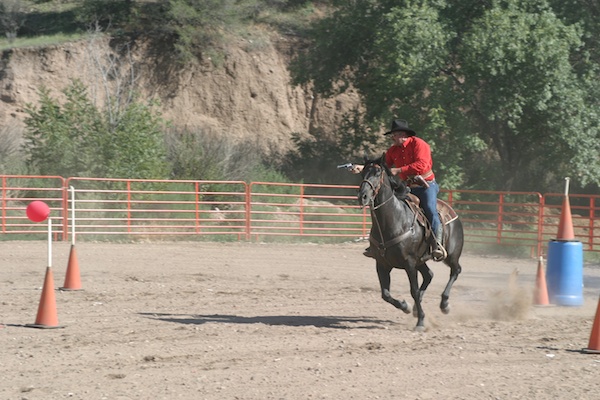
x: 383, y: 158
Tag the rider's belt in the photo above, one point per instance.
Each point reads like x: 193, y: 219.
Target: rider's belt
x: 427, y: 174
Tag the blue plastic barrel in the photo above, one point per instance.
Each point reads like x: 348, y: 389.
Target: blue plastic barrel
x: 564, y: 273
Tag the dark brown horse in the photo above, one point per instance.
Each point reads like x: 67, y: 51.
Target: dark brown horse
x: 400, y: 241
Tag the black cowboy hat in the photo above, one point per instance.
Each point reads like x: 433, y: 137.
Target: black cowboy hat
x: 401, y: 125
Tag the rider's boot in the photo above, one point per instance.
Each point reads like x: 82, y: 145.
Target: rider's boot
x: 438, y: 252
x: 369, y: 252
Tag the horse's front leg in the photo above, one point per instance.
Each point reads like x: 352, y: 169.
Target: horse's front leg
x: 383, y: 273
x: 414, y: 291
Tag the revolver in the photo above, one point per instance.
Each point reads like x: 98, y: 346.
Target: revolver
x: 347, y: 166
x: 419, y: 180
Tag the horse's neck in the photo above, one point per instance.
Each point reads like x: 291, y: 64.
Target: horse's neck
x: 384, y: 196
x: 386, y: 202
x: 389, y: 210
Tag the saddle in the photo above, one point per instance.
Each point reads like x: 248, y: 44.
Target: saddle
x: 446, y: 213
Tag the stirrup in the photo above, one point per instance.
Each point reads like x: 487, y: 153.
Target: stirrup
x: 439, y: 254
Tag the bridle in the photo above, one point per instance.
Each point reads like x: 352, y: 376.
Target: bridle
x: 376, y: 189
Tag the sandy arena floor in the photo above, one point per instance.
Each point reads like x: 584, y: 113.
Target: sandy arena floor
x: 266, y: 321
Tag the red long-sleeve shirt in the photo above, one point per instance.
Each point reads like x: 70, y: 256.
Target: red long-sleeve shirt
x: 413, y: 157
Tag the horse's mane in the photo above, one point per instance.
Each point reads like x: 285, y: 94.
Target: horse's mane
x: 398, y: 185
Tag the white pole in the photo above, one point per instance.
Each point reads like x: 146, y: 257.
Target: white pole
x: 49, y: 242
x: 567, y: 186
x: 72, y: 214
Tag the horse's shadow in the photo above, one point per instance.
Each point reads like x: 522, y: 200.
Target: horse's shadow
x: 334, y: 322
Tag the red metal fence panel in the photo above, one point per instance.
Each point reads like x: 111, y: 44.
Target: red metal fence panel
x: 154, y: 208
x: 501, y: 218
x: 306, y: 210
x: 267, y: 210
x: 17, y: 191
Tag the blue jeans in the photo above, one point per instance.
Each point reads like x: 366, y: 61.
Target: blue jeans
x: 428, y: 197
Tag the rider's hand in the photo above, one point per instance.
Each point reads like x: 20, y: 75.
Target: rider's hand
x: 357, y: 169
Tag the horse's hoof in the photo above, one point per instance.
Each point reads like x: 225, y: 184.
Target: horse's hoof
x: 419, y: 328
x: 405, y: 307
x: 444, y: 305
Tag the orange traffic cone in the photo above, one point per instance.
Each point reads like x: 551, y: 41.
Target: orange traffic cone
x: 72, y: 277
x: 594, y: 344
x: 541, y: 290
x: 565, y: 225
x: 46, y: 316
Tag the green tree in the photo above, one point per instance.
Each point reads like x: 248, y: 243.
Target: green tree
x: 531, y: 102
x: 135, y: 147
x: 201, y: 29
x: 206, y: 155
x: 200, y: 25
x: 77, y: 139
x: 58, y: 140
x: 12, y: 17
x: 105, y: 12
x: 11, y: 158
x: 502, y: 89
x: 313, y: 157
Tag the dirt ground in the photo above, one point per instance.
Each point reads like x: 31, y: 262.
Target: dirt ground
x: 266, y: 321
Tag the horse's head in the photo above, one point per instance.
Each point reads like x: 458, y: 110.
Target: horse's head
x: 376, y: 175
x: 373, y: 173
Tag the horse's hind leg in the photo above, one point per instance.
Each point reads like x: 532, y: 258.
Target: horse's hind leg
x: 414, y: 291
x: 427, y: 275
x: 384, y: 282
x: 455, y: 270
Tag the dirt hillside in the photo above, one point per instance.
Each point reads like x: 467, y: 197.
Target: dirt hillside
x: 249, y: 96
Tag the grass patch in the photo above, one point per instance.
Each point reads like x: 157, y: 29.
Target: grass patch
x: 40, y: 41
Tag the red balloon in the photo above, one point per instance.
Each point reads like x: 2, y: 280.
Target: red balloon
x: 37, y: 211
